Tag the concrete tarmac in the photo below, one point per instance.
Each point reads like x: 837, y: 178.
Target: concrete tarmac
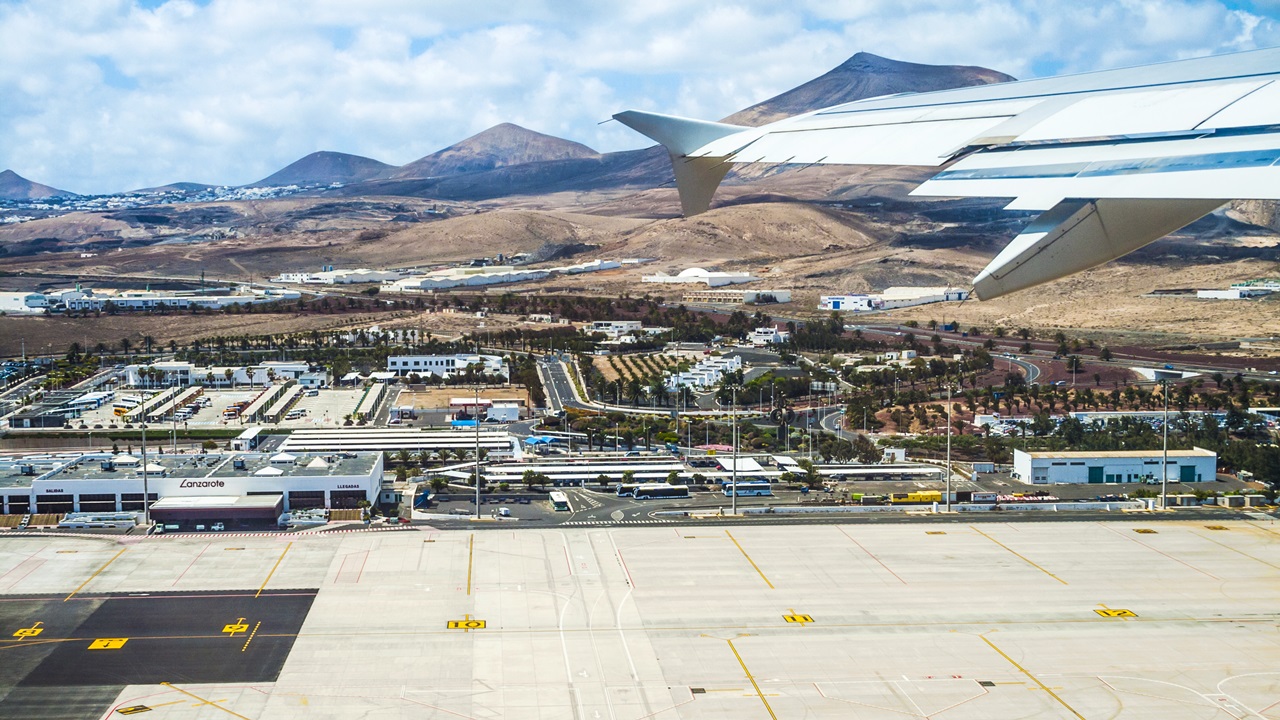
x: 1109, y: 619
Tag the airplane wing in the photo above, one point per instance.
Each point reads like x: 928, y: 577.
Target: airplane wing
x: 1117, y: 159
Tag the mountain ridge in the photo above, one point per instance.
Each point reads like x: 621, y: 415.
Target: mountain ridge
x: 15, y: 187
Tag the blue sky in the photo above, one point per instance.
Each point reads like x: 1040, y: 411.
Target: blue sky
x: 104, y: 95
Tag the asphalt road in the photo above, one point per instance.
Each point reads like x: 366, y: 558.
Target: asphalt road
x: 149, y: 638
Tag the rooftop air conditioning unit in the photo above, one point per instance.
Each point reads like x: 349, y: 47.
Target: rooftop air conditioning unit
x: 107, y: 465
x: 238, y: 464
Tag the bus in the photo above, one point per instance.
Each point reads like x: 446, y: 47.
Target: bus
x: 122, y: 406
x: 650, y: 491
x: 746, y: 489
x: 560, y: 501
x: 626, y: 489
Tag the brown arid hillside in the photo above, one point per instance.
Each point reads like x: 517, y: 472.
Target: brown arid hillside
x: 325, y: 167
x: 864, y: 76
x: 500, y: 146
x: 15, y: 187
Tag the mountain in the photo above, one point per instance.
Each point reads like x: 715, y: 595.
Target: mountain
x: 325, y: 167
x: 15, y: 187
x: 173, y: 187
x: 860, y: 77
x: 500, y: 146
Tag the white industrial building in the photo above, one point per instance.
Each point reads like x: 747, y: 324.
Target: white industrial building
x: 891, y: 298
x: 329, y: 276
x: 1114, y: 466
x: 23, y: 303
x: 1234, y: 293
x: 220, y: 487
x: 446, y: 366
x: 700, y: 275
x: 851, y: 303
x: 181, y: 373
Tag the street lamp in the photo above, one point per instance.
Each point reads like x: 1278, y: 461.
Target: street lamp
x: 1164, y: 460
x: 475, y: 417
x: 146, y: 511
x: 947, y: 499
x: 733, y: 435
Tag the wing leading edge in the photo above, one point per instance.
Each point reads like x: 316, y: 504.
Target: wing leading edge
x: 1117, y: 158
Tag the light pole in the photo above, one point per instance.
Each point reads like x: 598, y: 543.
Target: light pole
x: 475, y: 417
x: 733, y: 434
x: 146, y: 511
x: 1164, y: 460
x: 948, y: 485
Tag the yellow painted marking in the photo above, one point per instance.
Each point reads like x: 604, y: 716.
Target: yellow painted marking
x: 1116, y: 613
x: 133, y: 710
x: 251, y: 635
x: 752, y: 678
x: 1033, y: 678
x: 108, y: 643
x: 753, y: 562
x: 94, y: 575
x: 1217, y: 527
x: 1144, y: 531
x: 273, y: 569
x: 32, y: 631
x: 1019, y: 556
x: 202, y: 700
x: 471, y: 553
x: 233, y: 548
x: 1234, y: 550
x: 467, y: 624
x: 935, y: 532
x: 795, y: 618
x: 238, y: 626
x: 68, y: 552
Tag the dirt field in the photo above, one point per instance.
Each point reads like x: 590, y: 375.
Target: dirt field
x: 438, y: 398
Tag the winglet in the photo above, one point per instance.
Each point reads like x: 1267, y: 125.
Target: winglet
x: 696, y: 178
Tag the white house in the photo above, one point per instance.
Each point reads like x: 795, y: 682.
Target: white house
x: 851, y: 303
x: 769, y: 336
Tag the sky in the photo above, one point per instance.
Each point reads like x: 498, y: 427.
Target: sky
x: 109, y: 95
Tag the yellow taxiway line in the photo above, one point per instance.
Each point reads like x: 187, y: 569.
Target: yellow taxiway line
x: 1018, y: 555
x: 273, y: 570
x: 94, y: 575
x: 203, y: 701
x: 1033, y: 678
x: 753, y: 679
x: 753, y: 562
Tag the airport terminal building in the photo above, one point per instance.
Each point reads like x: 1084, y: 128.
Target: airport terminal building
x: 227, y: 486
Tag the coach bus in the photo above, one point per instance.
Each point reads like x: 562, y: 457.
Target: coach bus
x: 559, y: 501
x: 747, y: 489
x: 122, y: 406
x: 652, y: 491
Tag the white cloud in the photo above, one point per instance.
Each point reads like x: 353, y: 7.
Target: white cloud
x: 103, y: 95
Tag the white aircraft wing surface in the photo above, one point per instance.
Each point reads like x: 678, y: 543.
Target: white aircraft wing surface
x: 1117, y: 158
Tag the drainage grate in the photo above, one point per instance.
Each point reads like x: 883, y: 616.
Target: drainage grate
x: 698, y: 691
x: 986, y: 683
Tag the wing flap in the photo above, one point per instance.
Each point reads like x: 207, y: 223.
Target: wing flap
x: 1080, y: 234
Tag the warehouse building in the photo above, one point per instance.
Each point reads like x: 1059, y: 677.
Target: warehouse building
x: 215, y: 486
x: 737, y: 297
x: 1115, y: 466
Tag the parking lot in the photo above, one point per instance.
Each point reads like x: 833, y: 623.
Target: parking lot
x: 1044, y: 620
x: 328, y: 408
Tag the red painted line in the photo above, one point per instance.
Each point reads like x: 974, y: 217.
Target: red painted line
x: 630, y: 582
x: 24, y: 563
x: 193, y: 562
x: 872, y: 556
x: 1178, y: 560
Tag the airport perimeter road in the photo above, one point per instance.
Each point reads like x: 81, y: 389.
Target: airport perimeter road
x: 965, y: 620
